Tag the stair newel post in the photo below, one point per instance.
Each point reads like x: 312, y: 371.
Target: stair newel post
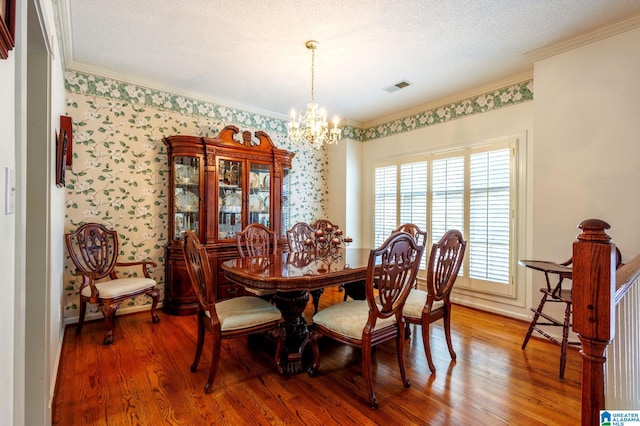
x: 593, y: 292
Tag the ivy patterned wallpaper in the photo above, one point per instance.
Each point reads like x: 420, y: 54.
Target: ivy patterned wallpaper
x: 119, y: 175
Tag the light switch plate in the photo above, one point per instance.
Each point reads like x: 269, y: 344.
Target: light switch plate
x: 9, y: 190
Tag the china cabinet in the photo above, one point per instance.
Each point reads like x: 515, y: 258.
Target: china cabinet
x: 218, y: 186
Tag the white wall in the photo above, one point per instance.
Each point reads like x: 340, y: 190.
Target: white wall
x: 30, y: 333
x: 587, y: 150
x: 7, y: 236
x: 344, y: 187
x: 587, y: 106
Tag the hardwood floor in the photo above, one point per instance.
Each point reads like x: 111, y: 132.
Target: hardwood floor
x: 144, y: 379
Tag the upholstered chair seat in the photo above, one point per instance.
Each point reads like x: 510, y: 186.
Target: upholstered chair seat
x: 349, y: 318
x: 120, y: 287
x: 415, y: 303
x: 244, y: 312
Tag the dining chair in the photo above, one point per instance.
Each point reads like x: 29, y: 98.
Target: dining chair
x: 414, y: 230
x: 94, y: 250
x: 257, y: 240
x: 425, y: 307
x: 367, y: 323
x: 225, y: 319
x: 301, y: 238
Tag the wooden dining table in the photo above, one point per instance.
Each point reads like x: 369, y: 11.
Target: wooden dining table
x: 292, y: 275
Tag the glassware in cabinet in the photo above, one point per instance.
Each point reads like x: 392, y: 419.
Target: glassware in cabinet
x: 186, y: 200
x: 259, y: 194
x: 230, y: 193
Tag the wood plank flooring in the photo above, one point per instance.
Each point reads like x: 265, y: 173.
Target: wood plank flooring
x: 144, y: 379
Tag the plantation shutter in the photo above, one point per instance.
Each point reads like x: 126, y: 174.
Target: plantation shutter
x: 385, y: 202
x: 447, y: 200
x: 413, y: 197
x: 490, y: 219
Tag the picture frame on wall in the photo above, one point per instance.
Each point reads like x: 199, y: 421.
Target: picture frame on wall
x: 62, y: 143
x: 7, y: 27
x: 66, y: 125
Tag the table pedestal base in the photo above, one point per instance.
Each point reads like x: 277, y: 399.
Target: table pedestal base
x: 292, y: 305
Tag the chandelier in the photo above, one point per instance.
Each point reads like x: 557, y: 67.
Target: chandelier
x: 311, y: 127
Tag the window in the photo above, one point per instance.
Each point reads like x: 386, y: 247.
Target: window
x: 385, y: 203
x: 471, y: 190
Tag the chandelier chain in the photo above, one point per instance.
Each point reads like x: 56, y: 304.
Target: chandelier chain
x: 313, y: 74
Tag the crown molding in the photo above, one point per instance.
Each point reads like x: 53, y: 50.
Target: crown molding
x: 65, y: 40
x: 599, y: 33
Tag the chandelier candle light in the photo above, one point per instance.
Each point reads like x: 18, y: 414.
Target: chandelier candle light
x: 311, y: 127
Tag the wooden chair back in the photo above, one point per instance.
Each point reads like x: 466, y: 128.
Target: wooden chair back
x: 414, y: 230
x: 256, y: 240
x: 392, y: 270
x: 299, y: 235
x: 444, y: 264
x: 199, y: 271
x: 93, y: 250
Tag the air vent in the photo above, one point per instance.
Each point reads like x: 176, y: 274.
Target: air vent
x: 399, y: 85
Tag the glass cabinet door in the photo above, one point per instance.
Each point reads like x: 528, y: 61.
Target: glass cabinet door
x: 259, y: 194
x: 229, y: 198
x: 187, y: 201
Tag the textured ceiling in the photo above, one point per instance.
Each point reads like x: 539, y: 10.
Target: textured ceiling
x: 251, y: 54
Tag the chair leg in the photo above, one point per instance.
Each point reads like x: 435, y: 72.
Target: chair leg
x: 313, y: 339
x: 83, y: 310
x: 366, y: 372
x: 565, y: 340
x: 216, y: 348
x: 534, y: 321
x: 199, y: 341
x: 280, y: 335
x: 155, y: 296
x: 447, y: 331
x: 315, y: 295
x: 109, y: 313
x: 400, y: 351
x: 426, y: 336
